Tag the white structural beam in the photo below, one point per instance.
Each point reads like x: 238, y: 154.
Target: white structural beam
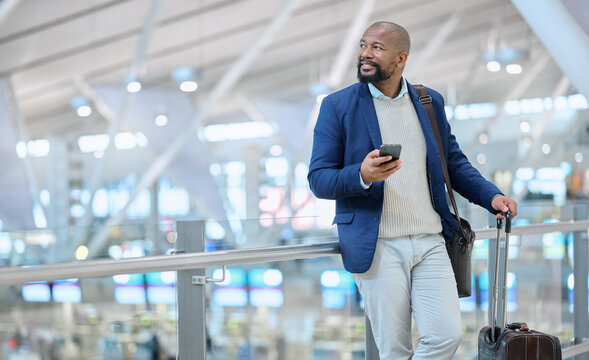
x: 219, y: 92
x: 562, y: 36
x: 22, y: 135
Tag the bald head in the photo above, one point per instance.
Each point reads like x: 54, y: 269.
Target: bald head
x: 403, y: 40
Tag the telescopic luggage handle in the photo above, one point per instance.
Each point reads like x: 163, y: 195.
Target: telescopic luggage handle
x: 507, y: 222
x: 507, y: 216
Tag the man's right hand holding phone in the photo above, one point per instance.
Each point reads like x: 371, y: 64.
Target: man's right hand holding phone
x: 376, y: 168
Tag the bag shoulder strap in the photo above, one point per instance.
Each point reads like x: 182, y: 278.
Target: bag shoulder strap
x: 426, y: 100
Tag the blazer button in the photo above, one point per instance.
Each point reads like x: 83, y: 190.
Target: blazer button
x: 375, y: 217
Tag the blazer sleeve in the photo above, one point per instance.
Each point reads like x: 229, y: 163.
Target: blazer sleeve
x: 329, y: 176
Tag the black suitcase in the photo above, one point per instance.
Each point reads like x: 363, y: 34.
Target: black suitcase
x: 514, y: 341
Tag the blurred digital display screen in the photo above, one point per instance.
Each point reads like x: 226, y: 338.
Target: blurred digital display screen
x: 230, y: 296
x: 234, y: 277
x: 161, y: 278
x: 67, y: 291
x: 128, y: 279
x: 339, y: 279
x: 266, y: 297
x: 259, y: 278
x: 333, y: 298
x: 130, y: 294
x: 36, y: 292
x: 336, y: 287
x: 161, y: 294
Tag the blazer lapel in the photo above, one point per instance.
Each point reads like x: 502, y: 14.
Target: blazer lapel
x: 369, y: 113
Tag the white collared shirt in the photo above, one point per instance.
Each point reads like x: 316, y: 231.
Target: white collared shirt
x: 377, y: 94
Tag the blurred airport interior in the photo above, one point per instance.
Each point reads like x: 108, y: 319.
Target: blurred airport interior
x: 119, y: 118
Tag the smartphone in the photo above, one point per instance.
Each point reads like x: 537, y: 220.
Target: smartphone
x: 393, y: 150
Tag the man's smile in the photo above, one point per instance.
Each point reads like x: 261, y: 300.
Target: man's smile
x: 368, y: 65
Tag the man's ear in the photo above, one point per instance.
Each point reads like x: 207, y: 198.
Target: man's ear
x: 402, y: 59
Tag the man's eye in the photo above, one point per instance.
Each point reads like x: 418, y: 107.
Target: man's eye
x: 362, y: 46
x: 378, y: 47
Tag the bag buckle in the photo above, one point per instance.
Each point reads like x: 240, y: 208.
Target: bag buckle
x: 425, y: 99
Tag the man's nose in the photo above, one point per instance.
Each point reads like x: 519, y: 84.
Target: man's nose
x: 366, y: 53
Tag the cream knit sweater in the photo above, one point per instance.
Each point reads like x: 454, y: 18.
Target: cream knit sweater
x: 407, y: 208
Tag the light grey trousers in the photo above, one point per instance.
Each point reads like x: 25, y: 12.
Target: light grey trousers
x: 412, y: 275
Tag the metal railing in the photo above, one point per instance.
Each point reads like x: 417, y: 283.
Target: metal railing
x: 190, y: 261
x: 178, y: 261
x: 182, y: 260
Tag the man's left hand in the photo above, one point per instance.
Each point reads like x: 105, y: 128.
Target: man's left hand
x: 504, y: 204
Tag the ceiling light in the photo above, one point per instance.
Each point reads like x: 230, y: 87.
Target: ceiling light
x: 185, y: 78
x: 493, y: 66
x: 524, y: 126
x: 514, y: 69
x: 81, y: 105
x: 84, y: 111
x: 546, y: 149
x: 161, y: 120
x: 508, y: 57
x: 188, y: 86
x: 483, y: 138
x: 134, y: 86
x: 579, y: 157
x: 132, y: 83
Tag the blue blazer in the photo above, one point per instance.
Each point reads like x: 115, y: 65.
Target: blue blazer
x: 346, y: 131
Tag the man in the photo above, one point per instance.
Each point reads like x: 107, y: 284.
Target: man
x: 392, y: 217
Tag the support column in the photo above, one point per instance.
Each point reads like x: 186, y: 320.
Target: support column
x: 153, y: 231
x: 580, y: 272
x: 253, y: 168
x: 191, y: 298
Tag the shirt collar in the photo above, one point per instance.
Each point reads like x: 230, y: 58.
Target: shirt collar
x: 377, y: 94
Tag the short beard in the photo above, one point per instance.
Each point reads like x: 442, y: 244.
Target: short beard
x: 376, y: 77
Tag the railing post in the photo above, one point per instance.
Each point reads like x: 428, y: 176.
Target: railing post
x: 191, y: 298
x: 580, y: 272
